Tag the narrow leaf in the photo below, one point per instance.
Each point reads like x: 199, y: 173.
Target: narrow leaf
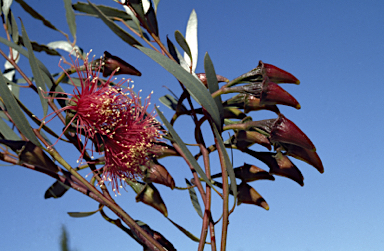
x: 81, y: 214
x: 194, y: 199
x: 191, y: 38
x: 35, y: 70
x: 115, y: 28
x: 183, y: 44
x: 15, y: 112
x: 184, y: 148
x: 152, y: 20
x: 156, y: 2
x: 108, y: 11
x: 170, y: 102
x: 227, y: 163
x: 70, y: 15
x: 194, y: 86
x: 187, y: 233
x: 212, y: 83
x: 57, y: 190
x: 36, y: 15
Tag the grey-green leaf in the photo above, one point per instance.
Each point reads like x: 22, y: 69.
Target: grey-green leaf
x: 194, y: 199
x: 184, y: 148
x: 227, y: 163
x: 186, y: 232
x: 212, y: 82
x: 108, y: 11
x: 35, y: 70
x: 183, y: 44
x: 7, y: 132
x: 194, y: 86
x: 81, y: 214
x: 126, y: 37
x: 15, y: 112
x: 70, y: 15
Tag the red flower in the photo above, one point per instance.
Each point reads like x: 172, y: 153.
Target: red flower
x: 114, y: 114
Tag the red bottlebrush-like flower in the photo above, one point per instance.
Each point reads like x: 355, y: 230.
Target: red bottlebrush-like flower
x: 116, y: 116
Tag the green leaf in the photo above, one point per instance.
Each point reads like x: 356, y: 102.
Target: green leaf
x: 70, y: 15
x: 187, y: 233
x: 81, y: 214
x: 36, y: 15
x: 152, y: 20
x: 14, y: 29
x: 108, y: 11
x: 212, y: 82
x: 191, y: 38
x: 35, y: 70
x: 228, y: 164
x: 15, y: 112
x: 170, y: 102
x: 184, y: 148
x: 57, y: 190
x: 138, y: 7
x: 183, y: 44
x: 194, y: 86
x: 126, y: 37
x: 7, y: 132
x: 156, y: 2
x: 194, y: 199
x: 41, y: 47
x: 5, y: 5
x: 25, y: 53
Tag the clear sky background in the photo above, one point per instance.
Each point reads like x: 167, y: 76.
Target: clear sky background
x: 336, y: 50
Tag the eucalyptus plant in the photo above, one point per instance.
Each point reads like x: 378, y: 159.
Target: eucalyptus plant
x: 122, y: 140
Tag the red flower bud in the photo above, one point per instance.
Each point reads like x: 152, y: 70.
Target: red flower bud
x: 285, y: 131
x: 305, y: 155
x: 273, y: 94
x: 278, y: 75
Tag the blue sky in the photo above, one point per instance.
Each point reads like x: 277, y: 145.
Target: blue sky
x: 336, y: 50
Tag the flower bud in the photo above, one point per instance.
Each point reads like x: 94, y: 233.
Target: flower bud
x: 248, y: 173
x: 278, y: 75
x: 148, y: 194
x: 249, y: 103
x: 248, y: 195
x: 203, y: 78
x: 305, y: 155
x: 246, y: 138
x: 285, y: 131
x: 157, y: 173
x: 115, y: 64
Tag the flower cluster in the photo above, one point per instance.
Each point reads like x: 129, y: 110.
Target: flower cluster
x: 114, y: 118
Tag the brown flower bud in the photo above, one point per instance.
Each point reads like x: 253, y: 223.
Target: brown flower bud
x: 115, y: 64
x: 157, y: 173
x: 246, y: 138
x: 306, y: 155
x: 248, y: 173
x: 248, y: 195
x: 249, y: 103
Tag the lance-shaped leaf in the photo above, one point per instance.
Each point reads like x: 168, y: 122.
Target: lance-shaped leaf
x: 36, y: 15
x: 126, y: 37
x: 278, y: 75
x: 41, y: 47
x: 172, y: 50
x: 279, y: 164
x: 285, y: 131
x: 186, y: 232
x: 183, y: 44
x: 148, y: 194
x: 15, y: 112
x: 191, y: 39
x: 57, y: 190
x: 194, y: 199
x: 248, y: 195
x: 245, y: 139
x: 35, y: 70
x: 108, y: 11
x: 150, y: 16
x: 194, y: 86
x: 306, y: 155
x: 70, y: 15
x: 157, y: 236
x: 82, y: 214
x: 111, y: 63
x: 212, y: 83
x: 170, y: 102
x: 157, y: 173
